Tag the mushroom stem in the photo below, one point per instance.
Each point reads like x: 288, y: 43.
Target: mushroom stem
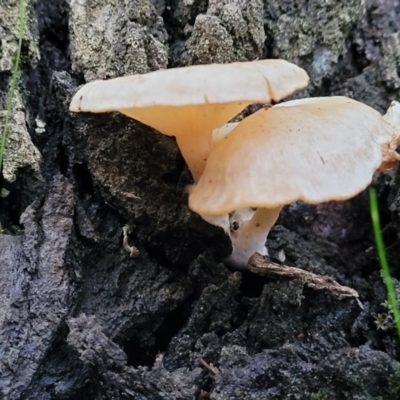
x: 195, y: 150
x: 240, y: 216
x: 251, y: 236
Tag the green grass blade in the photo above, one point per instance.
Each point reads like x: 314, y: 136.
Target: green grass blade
x: 382, y: 258
x: 15, y: 74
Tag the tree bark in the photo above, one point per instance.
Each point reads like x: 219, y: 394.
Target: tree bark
x: 82, y: 319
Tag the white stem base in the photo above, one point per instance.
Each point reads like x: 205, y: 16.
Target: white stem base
x: 240, y: 216
x: 251, y: 236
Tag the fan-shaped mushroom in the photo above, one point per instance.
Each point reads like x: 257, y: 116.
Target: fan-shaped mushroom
x: 314, y: 150
x: 190, y: 102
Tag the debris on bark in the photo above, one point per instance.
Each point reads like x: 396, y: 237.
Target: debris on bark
x: 262, y: 265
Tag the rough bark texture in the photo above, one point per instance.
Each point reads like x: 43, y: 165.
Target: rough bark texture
x: 80, y: 318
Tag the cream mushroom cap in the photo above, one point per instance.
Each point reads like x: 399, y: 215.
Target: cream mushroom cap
x: 314, y: 150
x: 190, y: 102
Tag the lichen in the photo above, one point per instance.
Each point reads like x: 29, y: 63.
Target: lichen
x: 20, y: 152
x: 229, y: 31
x: 390, y: 63
x: 311, y: 33
x: 110, y: 39
x: 9, y: 26
x: 378, y: 59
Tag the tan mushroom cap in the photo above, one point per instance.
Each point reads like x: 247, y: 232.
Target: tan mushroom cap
x: 313, y: 150
x: 190, y: 102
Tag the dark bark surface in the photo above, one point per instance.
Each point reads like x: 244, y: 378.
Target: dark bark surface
x: 80, y: 318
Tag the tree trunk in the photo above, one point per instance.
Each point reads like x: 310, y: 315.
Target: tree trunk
x: 82, y: 319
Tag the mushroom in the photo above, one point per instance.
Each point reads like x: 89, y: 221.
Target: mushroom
x: 314, y: 150
x: 236, y: 218
x: 190, y: 102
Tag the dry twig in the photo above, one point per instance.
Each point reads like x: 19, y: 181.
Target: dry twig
x: 132, y: 250
x: 213, y: 369
x: 262, y: 265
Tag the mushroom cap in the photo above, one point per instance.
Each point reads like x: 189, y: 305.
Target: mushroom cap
x: 314, y: 150
x: 169, y: 100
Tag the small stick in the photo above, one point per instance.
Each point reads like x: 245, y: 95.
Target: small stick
x: 132, y: 250
x: 214, y: 370
x: 262, y: 265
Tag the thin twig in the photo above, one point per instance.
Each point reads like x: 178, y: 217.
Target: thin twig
x: 262, y: 265
x: 132, y: 250
x: 213, y: 369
